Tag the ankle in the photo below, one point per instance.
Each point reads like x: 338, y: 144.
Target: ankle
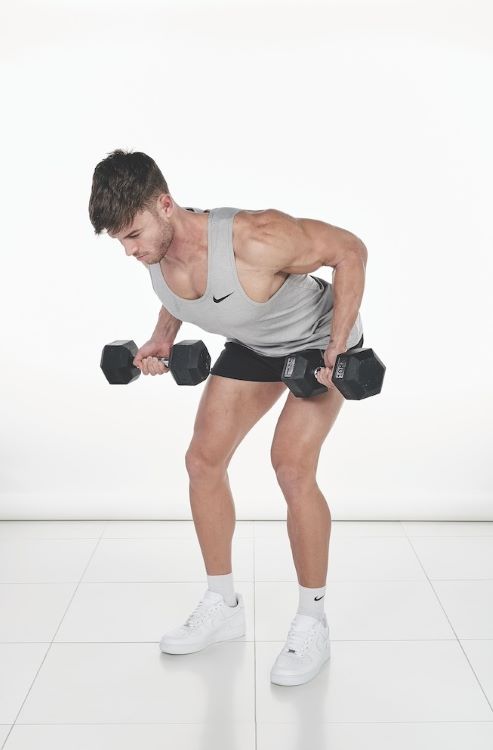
x: 311, y: 601
x: 223, y: 584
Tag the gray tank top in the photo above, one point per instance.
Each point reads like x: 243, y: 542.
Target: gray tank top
x: 298, y: 316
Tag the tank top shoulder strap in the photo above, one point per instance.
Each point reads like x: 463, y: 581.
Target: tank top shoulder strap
x: 222, y: 280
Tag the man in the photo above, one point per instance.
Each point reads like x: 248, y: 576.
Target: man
x: 245, y: 275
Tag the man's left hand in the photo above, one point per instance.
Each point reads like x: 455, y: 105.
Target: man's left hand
x: 324, y: 375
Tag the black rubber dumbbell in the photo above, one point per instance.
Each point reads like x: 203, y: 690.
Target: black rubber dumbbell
x: 357, y: 373
x: 189, y: 362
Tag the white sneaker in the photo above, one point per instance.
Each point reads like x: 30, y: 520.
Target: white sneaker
x: 306, y: 650
x: 211, y: 621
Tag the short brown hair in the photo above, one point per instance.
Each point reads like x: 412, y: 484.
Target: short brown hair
x: 124, y: 184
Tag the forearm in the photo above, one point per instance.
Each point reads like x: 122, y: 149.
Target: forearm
x: 167, y: 327
x: 348, y: 283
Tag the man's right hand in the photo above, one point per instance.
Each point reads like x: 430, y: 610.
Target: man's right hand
x: 147, y: 360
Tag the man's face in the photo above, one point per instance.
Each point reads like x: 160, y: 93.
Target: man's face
x: 147, y: 238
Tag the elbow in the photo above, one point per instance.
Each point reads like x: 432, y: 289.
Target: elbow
x: 362, y: 251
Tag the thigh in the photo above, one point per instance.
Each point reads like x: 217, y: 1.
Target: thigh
x: 301, y: 429
x: 227, y: 410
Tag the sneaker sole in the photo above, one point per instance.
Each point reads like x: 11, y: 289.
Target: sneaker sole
x: 291, y: 680
x: 219, y: 638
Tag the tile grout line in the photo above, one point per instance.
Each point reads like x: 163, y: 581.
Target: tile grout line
x: 56, y: 631
x: 240, y: 723
x: 237, y: 580
x: 448, y: 619
x: 275, y: 640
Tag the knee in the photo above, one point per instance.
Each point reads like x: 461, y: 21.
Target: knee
x: 199, y: 463
x: 292, y: 471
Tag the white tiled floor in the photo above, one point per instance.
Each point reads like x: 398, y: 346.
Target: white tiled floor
x: 84, y: 604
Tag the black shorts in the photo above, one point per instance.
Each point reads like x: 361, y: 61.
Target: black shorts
x: 241, y: 363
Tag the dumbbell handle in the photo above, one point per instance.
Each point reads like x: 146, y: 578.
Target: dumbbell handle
x: 317, y: 369
x: 334, y: 374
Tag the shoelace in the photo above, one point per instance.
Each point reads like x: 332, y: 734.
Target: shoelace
x: 198, y: 617
x: 299, y: 640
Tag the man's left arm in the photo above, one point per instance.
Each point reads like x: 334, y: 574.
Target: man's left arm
x: 300, y: 246
x: 348, y: 284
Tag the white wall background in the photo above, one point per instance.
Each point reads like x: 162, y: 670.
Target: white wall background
x: 373, y: 116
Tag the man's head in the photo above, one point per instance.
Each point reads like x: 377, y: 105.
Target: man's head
x: 131, y: 200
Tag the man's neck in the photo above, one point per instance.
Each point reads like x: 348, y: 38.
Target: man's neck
x: 190, y: 241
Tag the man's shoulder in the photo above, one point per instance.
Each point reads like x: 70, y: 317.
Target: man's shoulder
x: 263, y: 220
x: 257, y: 233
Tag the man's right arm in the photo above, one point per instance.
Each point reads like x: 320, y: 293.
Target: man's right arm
x: 167, y: 327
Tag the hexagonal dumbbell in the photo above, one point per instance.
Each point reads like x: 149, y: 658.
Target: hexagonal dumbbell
x: 357, y: 373
x: 189, y: 362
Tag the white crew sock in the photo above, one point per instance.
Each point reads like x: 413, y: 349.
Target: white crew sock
x: 308, y: 604
x: 223, y: 585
